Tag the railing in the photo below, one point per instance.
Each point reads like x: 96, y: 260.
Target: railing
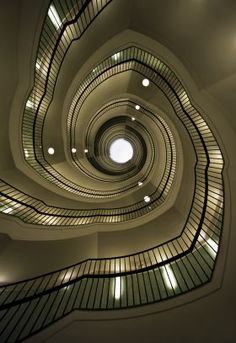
x: 199, y: 133
x: 104, y: 284
x: 71, y: 19
x: 130, y: 58
x: 32, y: 210
x: 164, y: 271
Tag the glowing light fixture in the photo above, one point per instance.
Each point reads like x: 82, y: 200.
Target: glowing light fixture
x: 116, y: 56
x: 210, y: 244
x: 213, y: 244
x: 73, y: 150
x: 7, y: 210
x: 212, y: 247
x: 37, y: 65
x: 29, y: 104
x: 147, y: 198
x: 137, y: 107
x: 86, y: 151
x: 169, y: 277
x: 145, y: 82
x: 117, y: 288
x: 54, y: 17
x: 51, y: 151
x: 41, y: 68
x: 133, y: 119
x: 140, y: 183
x: 121, y: 151
x: 26, y: 153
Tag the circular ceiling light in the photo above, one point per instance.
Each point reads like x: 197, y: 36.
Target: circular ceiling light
x: 137, y: 107
x: 121, y: 151
x: 51, y: 151
x: 145, y: 82
x: 147, y: 198
x: 86, y: 151
x: 133, y: 118
x: 73, y: 150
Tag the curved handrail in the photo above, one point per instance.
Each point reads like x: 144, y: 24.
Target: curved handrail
x: 75, y: 217
x: 174, y: 267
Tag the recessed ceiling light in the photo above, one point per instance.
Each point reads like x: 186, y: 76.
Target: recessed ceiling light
x: 73, y: 150
x: 147, y: 198
x: 7, y: 210
x: 26, y: 153
x: 37, y: 65
x: 137, y: 107
x: 169, y: 277
x: 117, y: 288
x: 54, y: 17
x: 29, y: 104
x: 41, y: 68
x: 133, y: 118
x: 51, y: 151
x: 116, y: 56
x: 85, y: 150
x: 140, y: 183
x: 145, y: 82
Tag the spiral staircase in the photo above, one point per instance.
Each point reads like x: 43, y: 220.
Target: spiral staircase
x: 117, y: 171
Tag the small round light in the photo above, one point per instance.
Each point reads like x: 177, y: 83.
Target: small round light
x: 26, y: 153
x: 145, y: 82
x: 133, y: 118
x: 51, y: 151
x: 137, y: 107
x: 73, y: 150
x: 86, y: 151
x: 140, y: 183
x: 147, y: 198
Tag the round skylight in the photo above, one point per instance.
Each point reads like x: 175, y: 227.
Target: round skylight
x: 145, y: 82
x: 121, y: 151
x: 51, y: 151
